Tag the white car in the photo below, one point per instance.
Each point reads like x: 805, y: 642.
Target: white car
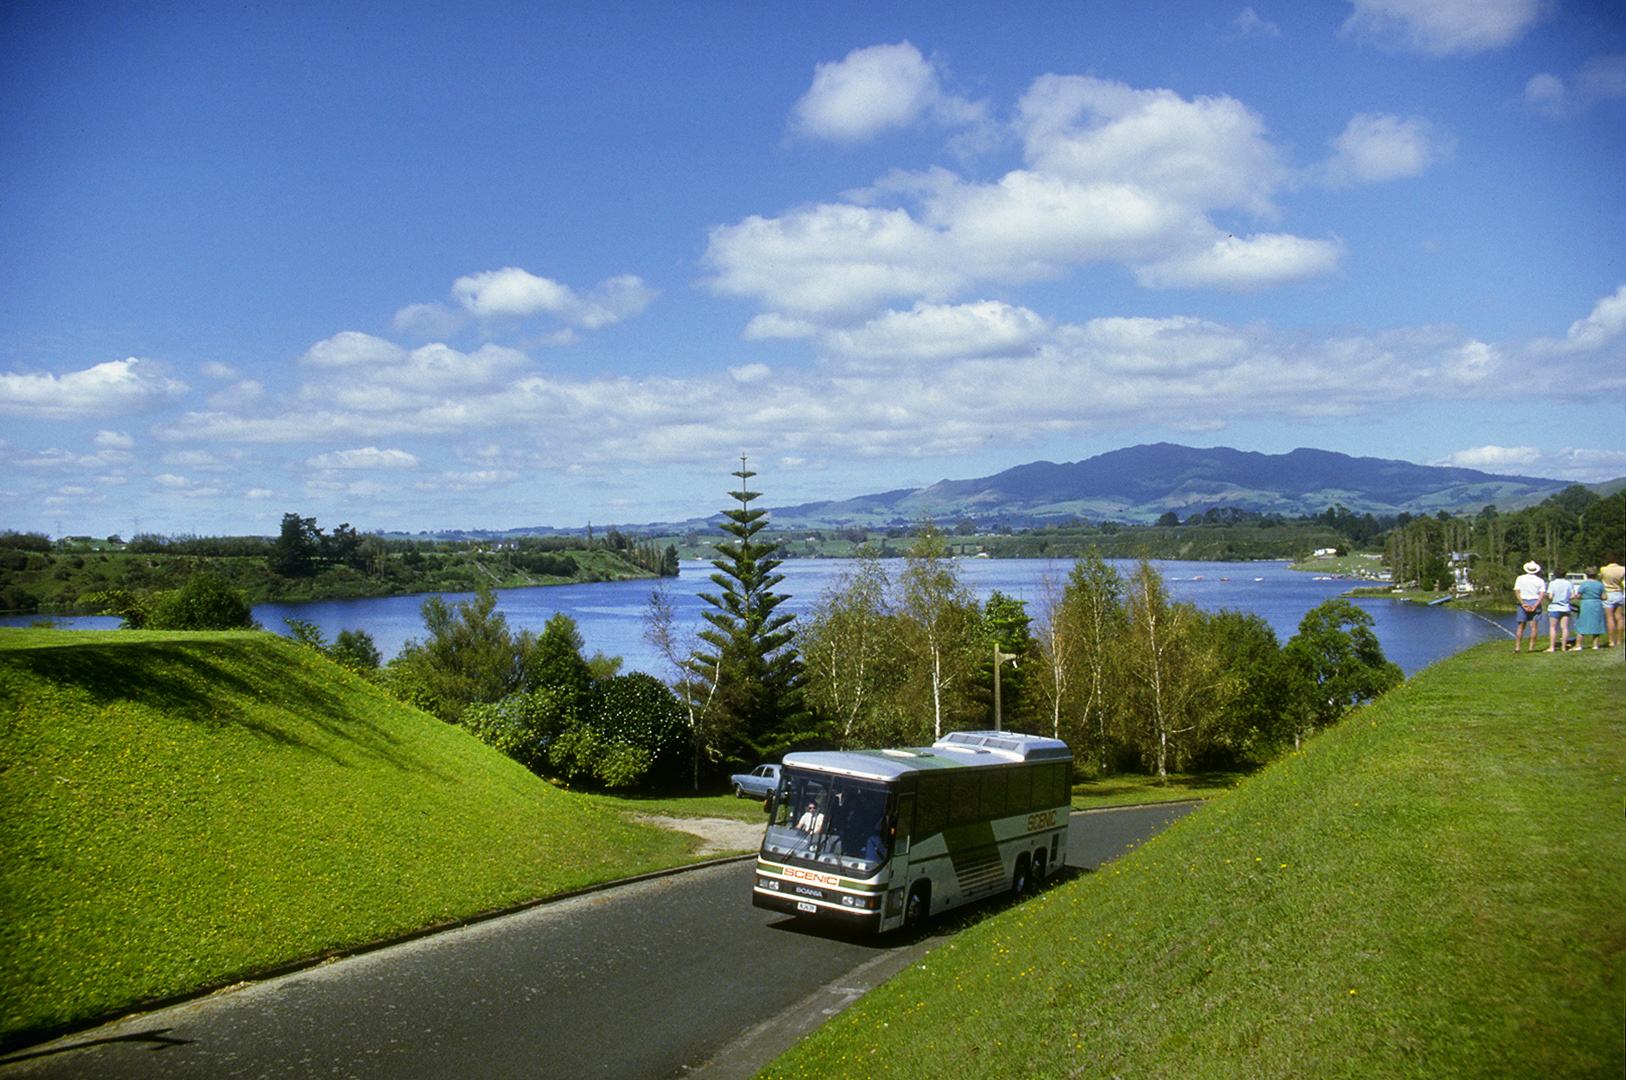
x: 759, y: 783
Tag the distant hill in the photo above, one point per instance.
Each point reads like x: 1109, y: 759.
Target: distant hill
x: 1141, y: 483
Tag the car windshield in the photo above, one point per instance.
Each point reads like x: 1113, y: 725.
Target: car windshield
x: 829, y: 821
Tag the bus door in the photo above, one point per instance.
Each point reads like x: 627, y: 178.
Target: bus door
x: 904, y: 818
x: 906, y: 821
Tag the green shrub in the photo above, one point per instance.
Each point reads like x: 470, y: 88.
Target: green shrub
x: 205, y: 602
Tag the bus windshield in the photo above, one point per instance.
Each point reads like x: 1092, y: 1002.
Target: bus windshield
x: 828, y: 820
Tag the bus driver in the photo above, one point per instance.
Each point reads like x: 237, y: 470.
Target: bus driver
x: 811, y: 820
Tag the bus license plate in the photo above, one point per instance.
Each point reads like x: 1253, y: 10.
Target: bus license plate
x: 803, y: 905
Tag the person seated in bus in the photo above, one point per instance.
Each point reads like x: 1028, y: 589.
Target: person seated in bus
x: 866, y: 826
x: 811, y: 820
x: 875, y: 846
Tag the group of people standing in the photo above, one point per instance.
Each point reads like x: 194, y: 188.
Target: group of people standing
x: 1588, y: 600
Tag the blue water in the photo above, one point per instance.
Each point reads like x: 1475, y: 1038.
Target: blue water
x: 610, y: 614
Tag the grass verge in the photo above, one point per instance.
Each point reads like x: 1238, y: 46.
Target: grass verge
x: 1436, y: 887
x: 1128, y: 789
x: 181, y: 810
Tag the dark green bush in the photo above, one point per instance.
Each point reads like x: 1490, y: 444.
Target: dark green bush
x: 205, y: 602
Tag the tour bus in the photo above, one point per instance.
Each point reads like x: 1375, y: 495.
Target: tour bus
x: 878, y: 839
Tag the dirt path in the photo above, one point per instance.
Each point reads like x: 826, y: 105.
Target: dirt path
x: 720, y: 836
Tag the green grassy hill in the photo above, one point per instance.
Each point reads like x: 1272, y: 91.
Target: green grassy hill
x: 1435, y: 887
x: 178, y: 810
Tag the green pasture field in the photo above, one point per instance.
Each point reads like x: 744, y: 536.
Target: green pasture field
x: 179, y: 811
x: 1435, y: 887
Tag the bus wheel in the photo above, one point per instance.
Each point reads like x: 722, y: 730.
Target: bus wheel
x: 1038, y: 869
x: 1019, y: 882
x: 917, y: 908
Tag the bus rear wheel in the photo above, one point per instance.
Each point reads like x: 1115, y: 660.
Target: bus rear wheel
x: 1021, y: 879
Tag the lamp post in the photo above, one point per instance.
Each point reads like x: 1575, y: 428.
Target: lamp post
x: 999, y: 661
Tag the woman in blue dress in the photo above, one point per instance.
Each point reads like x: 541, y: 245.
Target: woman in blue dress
x: 1590, y: 593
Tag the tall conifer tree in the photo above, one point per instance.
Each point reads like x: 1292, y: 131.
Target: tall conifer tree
x: 758, y: 674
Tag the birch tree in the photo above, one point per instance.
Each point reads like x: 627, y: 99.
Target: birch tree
x: 1092, y: 605
x: 943, y: 613
x: 694, y: 682
x: 1176, y: 677
x: 847, y: 647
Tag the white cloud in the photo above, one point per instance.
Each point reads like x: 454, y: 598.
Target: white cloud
x: 1248, y: 23
x: 1245, y: 264
x: 476, y: 480
x: 1206, y: 153
x: 940, y: 332
x: 181, y: 485
x: 1546, y: 93
x: 1603, y: 79
x: 52, y: 458
x: 515, y: 293
x: 1495, y: 459
x: 930, y: 379
x: 1606, y: 324
x: 375, y: 375
x: 1114, y: 174
x: 351, y: 348
x: 771, y: 324
x: 1567, y: 463
x: 368, y: 457
x: 113, y: 388
x: 1444, y: 27
x: 114, y: 440
x: 206, y: 460
x: 875, y: 89
x: 746, y: 373
x: 1375, y: 147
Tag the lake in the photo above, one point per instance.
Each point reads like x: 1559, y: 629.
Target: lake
x: 610, y: 614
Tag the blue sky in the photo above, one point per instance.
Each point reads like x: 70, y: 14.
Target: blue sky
x: 422, y: 266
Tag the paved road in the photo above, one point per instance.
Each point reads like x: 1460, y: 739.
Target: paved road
x: 653, y: 980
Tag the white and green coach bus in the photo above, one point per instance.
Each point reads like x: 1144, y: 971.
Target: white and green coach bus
x: 877, y: 839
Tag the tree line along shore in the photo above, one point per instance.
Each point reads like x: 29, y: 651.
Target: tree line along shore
x: 1478, y: 552
x: 306, y: 562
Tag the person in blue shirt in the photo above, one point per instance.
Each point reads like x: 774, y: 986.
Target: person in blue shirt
x: 1559, y: 592
x: 1591, y: 623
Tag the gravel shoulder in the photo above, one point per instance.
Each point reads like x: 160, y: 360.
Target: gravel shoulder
x: 719, y: 836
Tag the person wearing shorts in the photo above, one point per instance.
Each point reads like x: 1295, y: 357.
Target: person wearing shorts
x: 1560, y: 591
x: 1529, y: 590
x: 1613, y: 577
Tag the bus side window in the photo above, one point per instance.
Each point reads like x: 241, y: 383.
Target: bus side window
x: 1047, y: 786
x: 931, y: 806
x: 1020, y: 794
x: 905, y: 820
x: 993, y: 793
x: 965, y: 796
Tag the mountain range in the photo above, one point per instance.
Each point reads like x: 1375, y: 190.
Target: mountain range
x: 1141, y: 483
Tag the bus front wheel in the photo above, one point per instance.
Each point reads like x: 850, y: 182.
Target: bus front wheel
x: 917, y: 907
x: 1038, y: 869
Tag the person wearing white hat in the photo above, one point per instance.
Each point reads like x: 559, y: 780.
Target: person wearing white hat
x: 1529, y: 590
